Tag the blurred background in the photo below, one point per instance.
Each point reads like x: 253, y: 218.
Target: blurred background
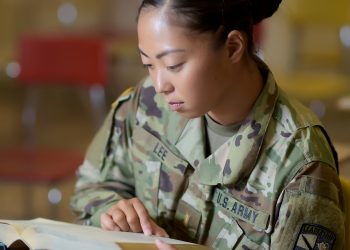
x: 62, y: 64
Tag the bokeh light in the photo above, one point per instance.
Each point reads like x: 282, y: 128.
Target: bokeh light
x: 67, y: 13
x: 13, y: 69
x: 319, y: 108
x: 345, y: 35
x: 54, y: 196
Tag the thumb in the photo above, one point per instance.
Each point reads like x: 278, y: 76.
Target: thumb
x: 163, y: 246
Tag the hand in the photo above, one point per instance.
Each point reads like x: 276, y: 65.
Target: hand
x: 130, y: 215
x: 163, y: 246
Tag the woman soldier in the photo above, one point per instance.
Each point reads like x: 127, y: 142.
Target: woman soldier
x: 208, y: 149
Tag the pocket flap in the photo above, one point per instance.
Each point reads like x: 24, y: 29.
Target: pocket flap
x: 187, y: 219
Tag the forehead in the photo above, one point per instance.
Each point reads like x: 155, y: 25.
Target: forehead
x: 157, y: 30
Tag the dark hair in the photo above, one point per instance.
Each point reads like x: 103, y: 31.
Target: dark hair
x: 218, y: 16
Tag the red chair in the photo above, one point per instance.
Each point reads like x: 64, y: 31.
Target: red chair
x: 64, y: 60
x: 80, y: 62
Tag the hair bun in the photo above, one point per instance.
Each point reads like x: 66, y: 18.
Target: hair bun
x: 262, y: 9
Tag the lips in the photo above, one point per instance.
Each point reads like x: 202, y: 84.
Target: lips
x: 176, y: 106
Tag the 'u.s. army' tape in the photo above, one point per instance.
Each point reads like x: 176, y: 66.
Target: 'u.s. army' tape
x: 239, y: 210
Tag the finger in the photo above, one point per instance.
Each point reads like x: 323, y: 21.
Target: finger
x: 163, y: 246
x: 143, y: 215
x: 119, y: 219
x: 107, y: 223
x: 133, y: 220
x: 158, y: 231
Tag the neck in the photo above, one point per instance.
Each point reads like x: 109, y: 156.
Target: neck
x: 247, y: 83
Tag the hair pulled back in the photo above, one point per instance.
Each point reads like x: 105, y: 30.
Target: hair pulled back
x: 217, y: 16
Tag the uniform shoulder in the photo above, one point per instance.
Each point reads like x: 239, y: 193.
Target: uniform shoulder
x: 296, y: 134
x: 124, y: 96
x: 136, y: 96
x: 292, y: 114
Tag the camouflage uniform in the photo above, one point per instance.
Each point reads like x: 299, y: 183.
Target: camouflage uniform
x: 273, y: 185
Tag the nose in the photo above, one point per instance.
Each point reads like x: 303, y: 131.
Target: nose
x: 162, y: 83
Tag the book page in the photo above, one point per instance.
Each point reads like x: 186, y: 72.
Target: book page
x: 79, y: 232
x: 52, y: 242
x: 48, y: 234
x: 8, y: 234
x: 35, y: 238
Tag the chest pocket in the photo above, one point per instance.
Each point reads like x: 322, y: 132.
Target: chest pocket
x: 186, y: 222
x: 159, y: 174
x: 224, y: 232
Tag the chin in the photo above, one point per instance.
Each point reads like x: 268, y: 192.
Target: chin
x: 191, y: 115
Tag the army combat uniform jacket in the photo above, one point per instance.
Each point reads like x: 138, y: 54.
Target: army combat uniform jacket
x: 273, y: 185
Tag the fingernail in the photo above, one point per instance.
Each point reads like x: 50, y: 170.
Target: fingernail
x: 147, y: 231
x: 159, y: 242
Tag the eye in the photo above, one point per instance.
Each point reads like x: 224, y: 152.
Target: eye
x: 175, y: 68
x: 148, y: 66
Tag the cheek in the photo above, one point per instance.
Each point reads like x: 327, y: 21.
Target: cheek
x: 199, y: 80
x: 205, y: 83
x: 192, y: 86
x: 195, y: 84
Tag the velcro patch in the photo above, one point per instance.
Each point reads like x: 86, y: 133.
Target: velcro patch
x: 312, y: 236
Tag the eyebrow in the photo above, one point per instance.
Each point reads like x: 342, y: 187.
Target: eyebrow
x: 164, y: 53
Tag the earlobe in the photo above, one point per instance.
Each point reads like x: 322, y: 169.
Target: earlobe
x: 235, y: 44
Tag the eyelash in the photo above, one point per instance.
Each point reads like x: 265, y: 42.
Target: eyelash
x: 174, y: 68
x: 147, y: 66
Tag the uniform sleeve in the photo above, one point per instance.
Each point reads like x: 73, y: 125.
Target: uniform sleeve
x: 310, y: 211
x: 106, y: 175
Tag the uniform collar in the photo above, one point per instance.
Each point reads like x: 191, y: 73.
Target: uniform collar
x: 236, y: 158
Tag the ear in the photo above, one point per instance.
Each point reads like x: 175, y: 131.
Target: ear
x: 235, y: 45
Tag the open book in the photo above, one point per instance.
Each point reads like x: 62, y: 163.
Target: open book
x: 48, y: 234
